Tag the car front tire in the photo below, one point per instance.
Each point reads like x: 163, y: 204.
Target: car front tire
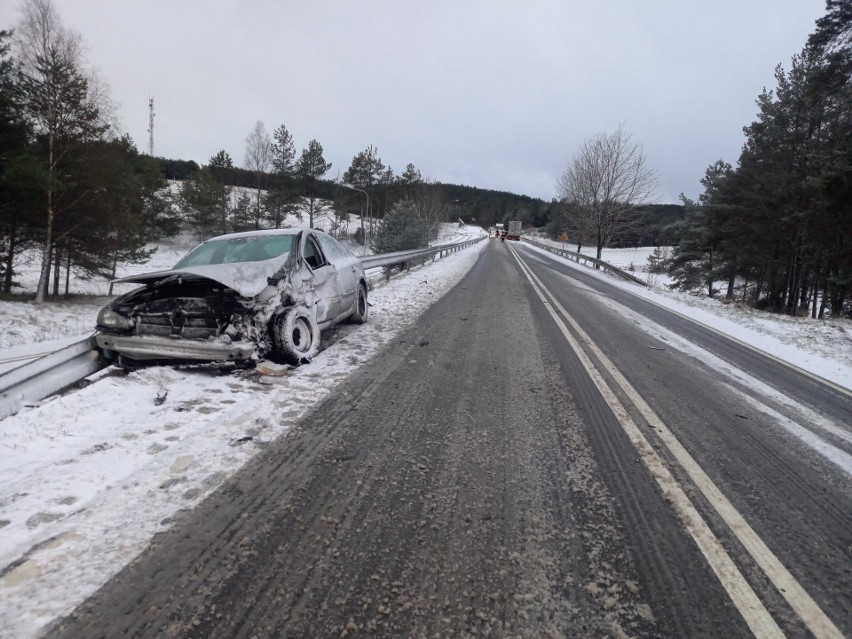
x: 296, y: 335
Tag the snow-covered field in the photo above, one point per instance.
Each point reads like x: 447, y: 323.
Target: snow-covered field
x: 87, y: 479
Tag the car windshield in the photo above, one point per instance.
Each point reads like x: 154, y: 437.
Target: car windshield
x: 239, y: 249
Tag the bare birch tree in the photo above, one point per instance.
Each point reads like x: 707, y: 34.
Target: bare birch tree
x: 259, y: 156
x: 605, y: 182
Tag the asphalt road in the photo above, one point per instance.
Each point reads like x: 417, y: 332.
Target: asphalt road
x: 484, y: 478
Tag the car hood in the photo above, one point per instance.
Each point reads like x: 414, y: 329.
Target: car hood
x: 247, y: 278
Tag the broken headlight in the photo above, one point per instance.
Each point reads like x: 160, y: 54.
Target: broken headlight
x: 110, y: 319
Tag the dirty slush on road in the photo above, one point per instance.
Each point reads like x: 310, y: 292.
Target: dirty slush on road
x: 448, y: 490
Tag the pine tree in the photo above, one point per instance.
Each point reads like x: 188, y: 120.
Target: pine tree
x: 365, y: 172
x: 780, y: 224
x: 410, y: 178
x: 366, y: 169
x: 58, y: 103
x: 402, y: 228
x: 283, y: 151
x: 19, y: 172
x: 310, y: 168
x: 207, y: 201
x: 241, y: 215
x: 108, y: 222
x: 282, y: 198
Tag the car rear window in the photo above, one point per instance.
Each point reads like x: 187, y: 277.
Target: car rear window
x: 241, y: 249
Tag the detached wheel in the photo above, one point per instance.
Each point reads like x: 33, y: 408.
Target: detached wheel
x: 296, y: 335
x: 362, y: 309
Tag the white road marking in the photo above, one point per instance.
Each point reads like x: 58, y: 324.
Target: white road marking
x: 777, y: 360
x: 744, y: 598
x: 805, y: 433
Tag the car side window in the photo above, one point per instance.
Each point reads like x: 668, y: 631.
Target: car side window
x: 313, y: 254
x: 331, y: 248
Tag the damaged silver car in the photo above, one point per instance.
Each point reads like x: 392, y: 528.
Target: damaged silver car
x: 236, y: 299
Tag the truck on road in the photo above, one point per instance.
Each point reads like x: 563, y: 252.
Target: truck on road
x: 514, y: 232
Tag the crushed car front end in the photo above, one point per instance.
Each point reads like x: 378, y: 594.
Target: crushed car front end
x: 182, y: 318
x: 214, y: 305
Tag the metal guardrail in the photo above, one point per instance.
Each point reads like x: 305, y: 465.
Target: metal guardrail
x: 586, y: 258
x: 47, y: 375
x: 403, y: 259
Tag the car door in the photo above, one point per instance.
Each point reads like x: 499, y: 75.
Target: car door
x: 323, y: 279
x: 347, y: 275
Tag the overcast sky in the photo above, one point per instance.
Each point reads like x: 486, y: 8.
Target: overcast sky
x: 496, y: 94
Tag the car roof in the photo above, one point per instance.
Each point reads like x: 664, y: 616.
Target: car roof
x: 288, y: 231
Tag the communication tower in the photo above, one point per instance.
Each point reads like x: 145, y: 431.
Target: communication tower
x: 151, y: 126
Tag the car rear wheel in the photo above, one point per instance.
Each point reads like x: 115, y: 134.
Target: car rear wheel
x: 296, y: 335
x: 362, y: 309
